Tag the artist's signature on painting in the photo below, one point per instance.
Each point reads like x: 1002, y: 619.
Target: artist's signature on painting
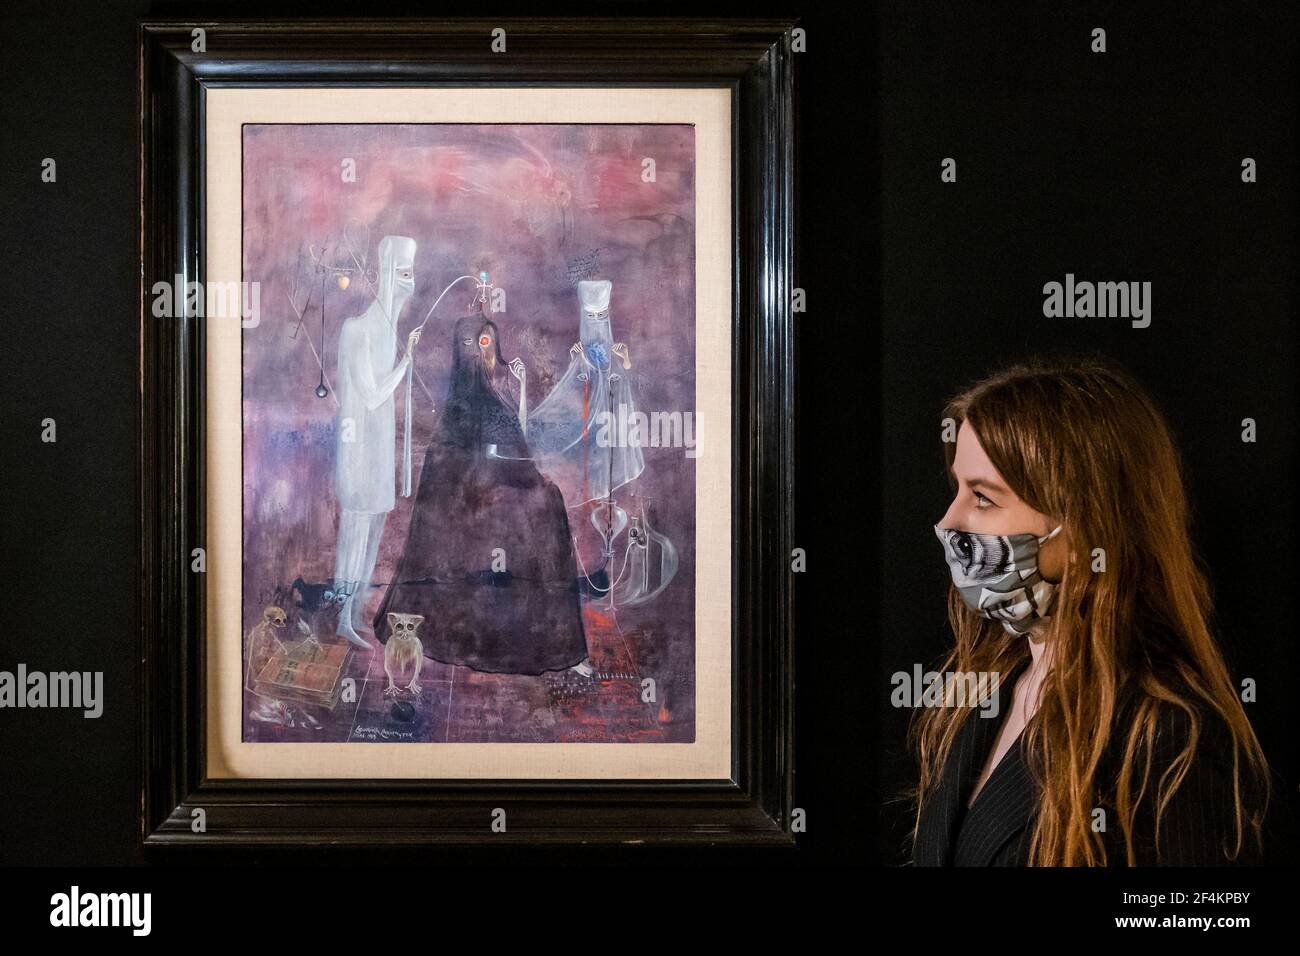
x: 381, y: 733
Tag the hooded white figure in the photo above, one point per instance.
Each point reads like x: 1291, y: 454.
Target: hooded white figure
x: 368, y: 374
x: 573, y: 433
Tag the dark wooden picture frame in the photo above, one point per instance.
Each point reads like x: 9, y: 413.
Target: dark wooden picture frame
x: 753, y: 59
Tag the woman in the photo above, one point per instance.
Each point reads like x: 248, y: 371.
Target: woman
x: 488, y: 560
x: 1124, y: 742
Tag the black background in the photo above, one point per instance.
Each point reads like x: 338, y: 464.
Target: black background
x: 1122, y: 166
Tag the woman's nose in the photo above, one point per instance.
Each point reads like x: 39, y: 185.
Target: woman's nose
x: 949, y: 516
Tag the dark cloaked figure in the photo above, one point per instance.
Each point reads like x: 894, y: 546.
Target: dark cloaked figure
x: 478, y: 493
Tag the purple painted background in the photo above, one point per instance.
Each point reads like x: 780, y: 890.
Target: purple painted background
x: 538, y: 207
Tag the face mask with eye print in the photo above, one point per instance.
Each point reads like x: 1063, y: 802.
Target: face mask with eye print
x: 997, y: 575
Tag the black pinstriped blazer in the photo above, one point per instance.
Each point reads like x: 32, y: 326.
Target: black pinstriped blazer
x: 995, y: 830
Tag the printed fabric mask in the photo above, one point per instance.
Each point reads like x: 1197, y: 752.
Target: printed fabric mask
x: 997, y: 575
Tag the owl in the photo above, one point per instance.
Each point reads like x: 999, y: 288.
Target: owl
x: 403, y: 654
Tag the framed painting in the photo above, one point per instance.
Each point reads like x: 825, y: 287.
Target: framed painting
x: 466, y: 432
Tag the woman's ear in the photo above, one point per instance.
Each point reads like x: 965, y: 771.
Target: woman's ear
x: 1052, y: 557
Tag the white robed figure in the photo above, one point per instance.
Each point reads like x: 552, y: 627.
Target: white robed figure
x: 576, y: 433
x: 368, y: 374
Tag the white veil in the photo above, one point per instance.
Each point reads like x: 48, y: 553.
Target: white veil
x: 565, y: 433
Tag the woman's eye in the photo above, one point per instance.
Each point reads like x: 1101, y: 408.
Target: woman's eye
x: 982, y: 501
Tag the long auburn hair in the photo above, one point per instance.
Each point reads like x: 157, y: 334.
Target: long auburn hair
x: 1079, y: 440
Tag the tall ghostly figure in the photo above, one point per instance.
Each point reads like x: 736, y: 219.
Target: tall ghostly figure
x: 365, y: 462
x: 565, y: 429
